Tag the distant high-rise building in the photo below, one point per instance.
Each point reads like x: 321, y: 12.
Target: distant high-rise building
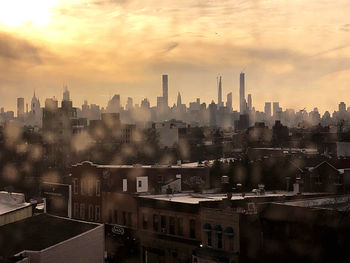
x: 160, y: 102
x: 242, y: 101
x: 268, y: 109
x: 212, y: 114
x: 36, y: 112
x: 85, y: 109
x: 129, y: 104
x: 114, y: 104
x: 229, y: 101
x: 165, y: 90
x: 179, y: 103
x: 276, y: 108
x: 20, y: 107
x: 342, y: 107
x: 66, y: 95
x: 35, y: 105
x: 145, y: 104
x: 250, y: 106
x: 220, y: 102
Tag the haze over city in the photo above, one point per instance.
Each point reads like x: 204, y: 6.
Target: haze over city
x: 100, y: 48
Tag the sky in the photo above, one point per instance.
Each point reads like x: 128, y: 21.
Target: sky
x: 295, y: 52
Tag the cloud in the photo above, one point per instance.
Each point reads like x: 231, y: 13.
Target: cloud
x: 170, y: 47
x: 14, y: 48
x: 331, y: 49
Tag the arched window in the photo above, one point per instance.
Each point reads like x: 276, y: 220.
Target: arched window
x: 228, y: 233
x: 207, y: 229
x: 218, y: 232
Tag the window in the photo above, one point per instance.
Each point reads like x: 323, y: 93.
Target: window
x: 219, y: 240
x: 192, y: 228
x: 144, y: 221
x: 125, y: 185
x: 91, y: 212
x: 98, y: 188
x: 115, y: 216
x: 75, y: 186
x: 218, y: 236
x: 163, y: 224
x: 97, y: 213
x: 228, y: 234
x: 82, y: 211
x: 209, y: 243
x: 140, y: 183
x: 172, y: 225
x: 89, y: 184
x: 76, y: 210
x: 180, y: 226
x: 155, y: 223
x: 82, y: 187
x: 230, y: 242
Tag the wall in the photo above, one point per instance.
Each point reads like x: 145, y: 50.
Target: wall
x: 16, y: 215
x: 85, y: 248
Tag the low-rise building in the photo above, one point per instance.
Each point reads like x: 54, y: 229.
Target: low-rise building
x: 45, y: 238
x: 310, y: 230
x: 169, y: 226
x: 13, y: 207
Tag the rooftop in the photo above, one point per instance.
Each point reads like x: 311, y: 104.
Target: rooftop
x: 115, y: 166
x: 37, y: 233
x: 11, y: 201
x: 339, y: 203
x: 195, y: 198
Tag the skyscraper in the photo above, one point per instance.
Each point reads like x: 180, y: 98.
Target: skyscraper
x: 145, y: 104
x: 276, y: 108
x: 66, y: 96
x: 268, y: 109
x: 342, y: 107
x: 165, y: 90
x: 212, y: 114
x: 220, y: 103
x: 129, y: 104
x: 20, y: 107
x: 114, y: 104
x: 179, y: 103
x: 229, y: 101
x: 250, y: 106
x: 242, y: 102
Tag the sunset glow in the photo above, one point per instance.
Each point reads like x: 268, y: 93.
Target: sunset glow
x: 24, y: 12
x: 119, y: 46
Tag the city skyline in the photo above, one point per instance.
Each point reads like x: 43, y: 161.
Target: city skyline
x: 287, y: 53
x: 181, y: 131
x: 243, y: 103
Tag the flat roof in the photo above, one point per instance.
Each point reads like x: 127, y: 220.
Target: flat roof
x: 10, y: 202
x: 195, y: 198
x: 7, y: 208
x: 339, y: 203
x: 159, y: 166
x: 37, y: 233
x: 111, y: 166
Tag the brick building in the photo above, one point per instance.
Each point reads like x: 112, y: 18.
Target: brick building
x: 105, y: 193
x: 169, y: 226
